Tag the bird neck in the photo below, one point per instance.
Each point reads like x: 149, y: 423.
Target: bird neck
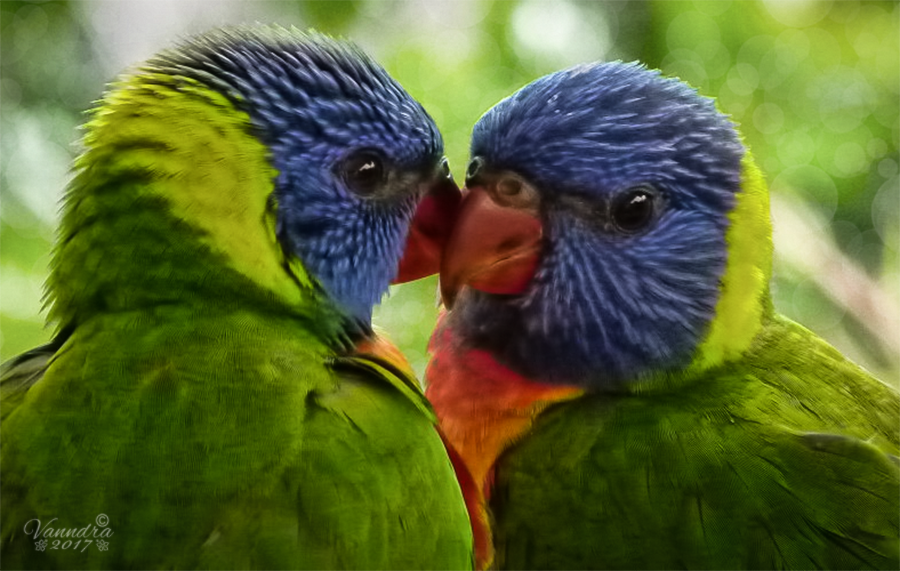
x: 482, y: 406
x: 171, y: 203
x: 744, y: 302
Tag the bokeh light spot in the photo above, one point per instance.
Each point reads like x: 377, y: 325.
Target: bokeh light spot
x: 796, y: 148
x: 866, y: 44
x: 876, y: 148
x: 887, y: 168
x: 849, y: 159
x: 768, y: 118
x: 735, y: 104
x: 812, y: 184
x: 844, y: 98
x: 797, y: 41
x: 797, y: 13
x: 824, y: 48
x: 743, y: 79
x: 715, y: 57
x: 780, y: 62
x: 772, y: 164
x: 547, y: 30
x: 688, y: 66
x: 753, y: 49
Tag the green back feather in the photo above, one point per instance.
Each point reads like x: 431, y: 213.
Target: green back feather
x: 785, y: 459
x: 223, y: 438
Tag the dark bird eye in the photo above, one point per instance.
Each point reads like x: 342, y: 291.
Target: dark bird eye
x: 474, y: 168
x: 364, y: 172
x: 634, y: 209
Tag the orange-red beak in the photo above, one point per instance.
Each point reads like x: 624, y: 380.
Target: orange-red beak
x: 493, y: 248
x: 429, y: 231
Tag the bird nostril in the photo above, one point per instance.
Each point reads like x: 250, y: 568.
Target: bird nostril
x: 509, y: 244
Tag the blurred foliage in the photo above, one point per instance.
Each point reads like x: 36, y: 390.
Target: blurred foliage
x: 814, y: 85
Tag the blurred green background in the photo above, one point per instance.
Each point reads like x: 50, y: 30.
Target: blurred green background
x: 814, y: 84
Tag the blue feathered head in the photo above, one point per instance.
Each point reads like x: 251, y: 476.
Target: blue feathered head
x: 631, y: 177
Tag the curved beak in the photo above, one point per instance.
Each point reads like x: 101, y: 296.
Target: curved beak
x: 428, y: 233
x: 493, y: 248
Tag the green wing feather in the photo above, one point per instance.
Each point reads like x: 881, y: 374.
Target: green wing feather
x: 784, y: 459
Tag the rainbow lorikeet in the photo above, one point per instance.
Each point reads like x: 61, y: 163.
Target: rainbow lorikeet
x: 215, y: 396
x: 612, y: 372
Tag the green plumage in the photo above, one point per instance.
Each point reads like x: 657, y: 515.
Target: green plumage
x: 785, y: 459
x: 226, y: 438
x: 203, y: 393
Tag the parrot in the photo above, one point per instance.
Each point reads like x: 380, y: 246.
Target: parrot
x: 609, y: 366
x: 215, y: 395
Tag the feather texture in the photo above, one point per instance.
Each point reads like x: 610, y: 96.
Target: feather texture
x: 213, y: 393
x: 785, y: 459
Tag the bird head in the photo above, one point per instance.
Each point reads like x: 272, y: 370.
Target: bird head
x: 613, y: 227
x: 361, y: 178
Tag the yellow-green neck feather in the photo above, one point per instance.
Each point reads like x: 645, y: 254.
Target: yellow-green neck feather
x: 744, y: 299
x: 183, y: 154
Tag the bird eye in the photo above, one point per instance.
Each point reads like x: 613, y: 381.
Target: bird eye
x: 634, y: 209
x: 474, y: 168
x: 364, y: 172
